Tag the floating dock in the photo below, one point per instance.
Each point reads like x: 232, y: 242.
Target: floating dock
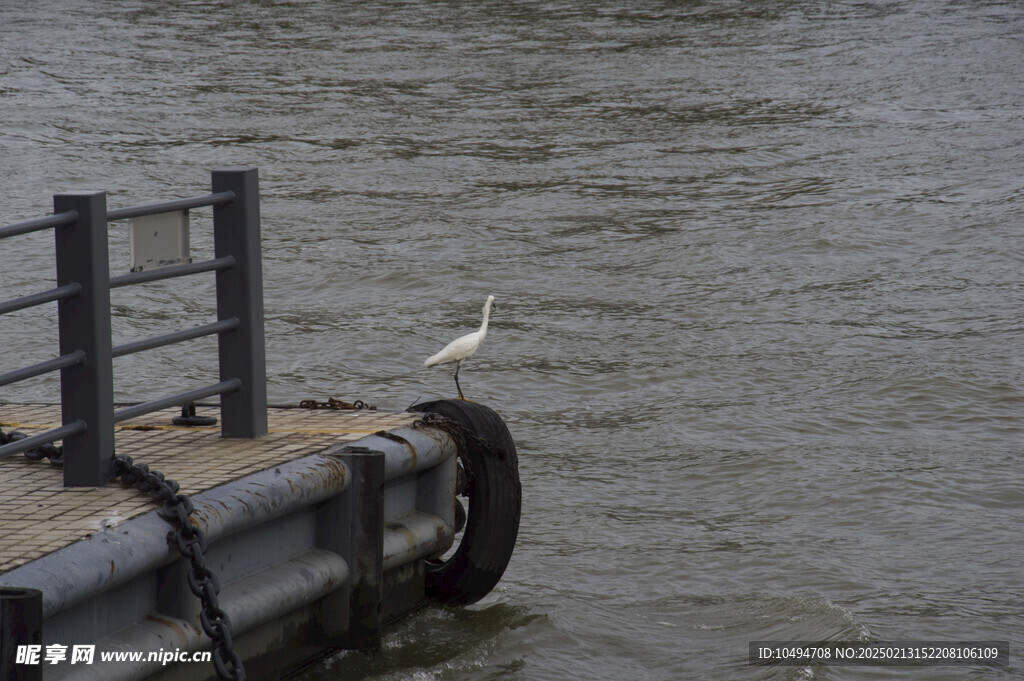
x: 168, y: 550
x: 296, y: 577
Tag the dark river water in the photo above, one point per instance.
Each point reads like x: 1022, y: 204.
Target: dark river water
x: 758, y: 268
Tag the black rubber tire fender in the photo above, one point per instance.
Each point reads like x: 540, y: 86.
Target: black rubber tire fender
x: 495, y: 504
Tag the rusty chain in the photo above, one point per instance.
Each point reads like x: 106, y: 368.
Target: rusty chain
x: 460, y: 433
x: 187, y: 536
x: 463, y: 437
x: 335, y: 403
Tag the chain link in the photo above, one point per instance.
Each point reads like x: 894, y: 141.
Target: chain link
x: 186, y: 535
x: 335, y: 403
x: 191, y: 543
x: 464, y: 438
x: 459, y: 432
x: 48, y: 451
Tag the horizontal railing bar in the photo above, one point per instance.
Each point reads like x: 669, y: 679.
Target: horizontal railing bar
x: 174, y: 337
x: 49, y: 436
x: 168, y: 206
x: 39, y: 224
x: 181, y: 398
x: 172, y: 271
x: 68, y: 360
x: 59, y: 293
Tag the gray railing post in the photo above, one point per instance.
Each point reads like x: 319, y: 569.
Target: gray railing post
x: 236, y: 228
x: 87, y: 388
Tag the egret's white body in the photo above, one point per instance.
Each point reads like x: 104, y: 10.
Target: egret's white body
x: 459, y: 349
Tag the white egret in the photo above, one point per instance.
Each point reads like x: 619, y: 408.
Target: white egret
x: 459, y: 349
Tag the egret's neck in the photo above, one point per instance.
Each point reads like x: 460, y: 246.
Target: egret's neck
x: 487, y: 314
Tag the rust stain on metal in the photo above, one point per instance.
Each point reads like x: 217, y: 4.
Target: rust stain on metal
x: 336, y: 470
x: 179, y: 629
x: 437, y: 435
x: 395, y: 437
x: 202, y: 517
x: 408, y: 535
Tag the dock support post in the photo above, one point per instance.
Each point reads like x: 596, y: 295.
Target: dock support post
x: 87, y: 388
x: 366, y: 563
x: 21, y: 624
x: 236, y: 232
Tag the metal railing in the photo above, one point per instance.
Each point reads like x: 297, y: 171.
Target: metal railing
x: 83, y: 308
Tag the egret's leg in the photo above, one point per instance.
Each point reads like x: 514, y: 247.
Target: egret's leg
x: 458, y: 365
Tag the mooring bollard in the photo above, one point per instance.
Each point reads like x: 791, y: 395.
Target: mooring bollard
x: 21, y: 624
x: 367, y: 547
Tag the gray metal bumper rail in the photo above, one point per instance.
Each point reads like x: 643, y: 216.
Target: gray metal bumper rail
x: 314, y: 554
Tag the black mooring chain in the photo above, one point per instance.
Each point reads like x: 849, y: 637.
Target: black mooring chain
x: 189, y: 538
x: 48, y: 451
x: 191, y: 542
